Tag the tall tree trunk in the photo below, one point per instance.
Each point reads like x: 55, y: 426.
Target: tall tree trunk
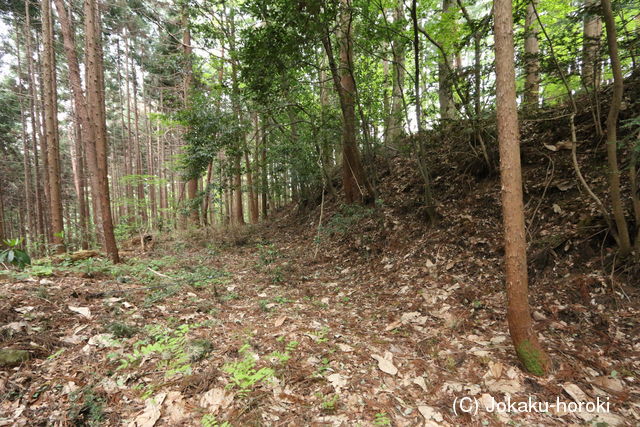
x: 592, y: 33
x: 326, y: 147
x: 26, y: 156
x: 238, y: 212
x: 77, y: 167
x: 612, y: 137
x: 354, y: 181
x: 397, y: 97
x: 35, y: 126
x: 90, y: 113
x: 531, y: 60
x: 142, y: 201
x: 525, y: 340
x: 51, y: 128
x: 192, y: 184
x: 445, y: 78
x: 151, y: 170
x: 253, y: 195
x: 128, y: 163
x: 40, y: 111
x: 95, y: 86
x: 3, y: 233
x: 264, y: 174
x: 429, y: 203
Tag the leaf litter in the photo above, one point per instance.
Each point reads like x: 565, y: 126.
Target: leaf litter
x: 401, y: 326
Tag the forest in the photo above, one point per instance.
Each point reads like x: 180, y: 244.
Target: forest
x: 319, y: 212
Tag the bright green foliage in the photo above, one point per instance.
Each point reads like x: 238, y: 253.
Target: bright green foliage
x: 210, y: 420
x: 170, y: 345
x: 87, y: 408
x: 13, y: 254
x: 243, y: 374
x: 382, y: 419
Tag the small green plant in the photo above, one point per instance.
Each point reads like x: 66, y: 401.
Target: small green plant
x: 121, y: 330
x: 281, y: 300
x: 264, y: 305
x: 230, y: 296
x: 324, y: 367
x: 56, y: 354
x: 41, y: 270
x: 243, y: 374
x: 346, y: 217
x: 210, y: 420
x: 381, y: 419
x: 13, y: 254
x: 86, y: 408
x: 268, y: 253
x: 171, y: 345
x: 329, y: 403
x: 283, y: 357
x: 321, y: 334
x: 198, y: 349
x: 277, y: 276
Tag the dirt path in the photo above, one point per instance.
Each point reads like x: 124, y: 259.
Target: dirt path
x: 267, y: 334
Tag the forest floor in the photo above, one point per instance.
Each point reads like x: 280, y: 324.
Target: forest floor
x: 367, y: 320
x: 370, y: 318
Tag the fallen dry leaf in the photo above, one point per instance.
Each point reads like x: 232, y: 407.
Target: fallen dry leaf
x: 279, y: 321
x: 575, y: 392
x: 337, y: 381
x: 608, y: 383
x: 216, y: 399
x: 429, y: 413
x: 151, y: 413
x: 176, y: 409
x: 385, y: 365
x: 84, y: 311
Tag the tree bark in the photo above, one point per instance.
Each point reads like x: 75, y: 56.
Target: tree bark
x: 356, y: 186
x: 30, y: 235
x: 592, y: 33
x: 525, y: 340
x: 445, y: 67
x: 531, y: 53
x: 35, y: 127
x: 192, y: 184
x: 90, y: 113
x: 612, y: 137
x: 51, y: 128
x: 395, y: 129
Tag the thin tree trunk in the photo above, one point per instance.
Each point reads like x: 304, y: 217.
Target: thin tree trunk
x: 3, y: 233
x: 192, y: 184
x: 356, y: 186
x: 128, y: 164
x: 142, y: 202
x: 40, y: 111
x: 612, y: 137
x: 531, y: 53
x: 78, y: 179
x: 524, y: 337
x: 26, y: 157
x: 35, y: 127
x: 445, y: 77
x: 397, y: 98
x: 264, y: 175
x: 592, y: 33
